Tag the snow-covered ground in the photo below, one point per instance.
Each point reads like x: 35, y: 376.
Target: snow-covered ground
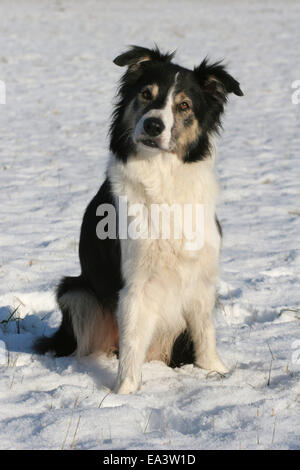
x: 56, y: 60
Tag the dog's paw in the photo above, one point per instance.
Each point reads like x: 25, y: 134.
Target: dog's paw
x: 126, y: 387
x: 215, y: 365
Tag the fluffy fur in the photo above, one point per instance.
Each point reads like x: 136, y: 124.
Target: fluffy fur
x: 147, y: 298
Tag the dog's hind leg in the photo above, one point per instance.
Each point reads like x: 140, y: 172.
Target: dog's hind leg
x: 63, y: 342
x: 85, y: 326
x: 83, y: 310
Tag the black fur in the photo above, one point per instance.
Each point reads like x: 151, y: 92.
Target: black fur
x: 100, y: 275
x: 183, y: 351
x: 100, y: 259
x: 63, y: 342
x: 137, y: 53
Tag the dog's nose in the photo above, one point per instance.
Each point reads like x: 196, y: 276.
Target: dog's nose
x: 153, y: 126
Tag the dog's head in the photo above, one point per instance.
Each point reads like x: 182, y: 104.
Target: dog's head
x: 164, y: 107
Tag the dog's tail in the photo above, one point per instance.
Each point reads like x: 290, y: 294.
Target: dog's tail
x: 86, y: 326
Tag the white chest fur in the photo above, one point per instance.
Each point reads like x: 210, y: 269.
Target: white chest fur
x: 167, y: 287
x: 162, y: 179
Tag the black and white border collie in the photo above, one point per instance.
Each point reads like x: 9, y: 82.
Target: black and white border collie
x: 151, y: 298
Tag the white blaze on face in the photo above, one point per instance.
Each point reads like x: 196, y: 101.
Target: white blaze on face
x: 167, y: 117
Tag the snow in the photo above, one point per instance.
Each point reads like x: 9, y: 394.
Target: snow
x: 56, y: 62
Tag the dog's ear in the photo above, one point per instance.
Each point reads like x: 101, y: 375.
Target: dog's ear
x: 216, y: 81
x: 136, y: 55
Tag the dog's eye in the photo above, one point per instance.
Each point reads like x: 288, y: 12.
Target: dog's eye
x: 146, y: 94
x: 184, y: 106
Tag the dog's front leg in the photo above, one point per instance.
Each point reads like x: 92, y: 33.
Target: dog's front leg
x: 137, y: 321
x: 201, y: 326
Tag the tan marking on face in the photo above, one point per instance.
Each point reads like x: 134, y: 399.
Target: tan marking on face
x: 181, y: 97
x: 135, y: 109
x: 153, y: 89
x: 184, y: 134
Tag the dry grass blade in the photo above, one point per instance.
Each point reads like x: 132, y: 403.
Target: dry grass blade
x: 68, y: 430
x: 101, y: 402
x: 294, y: 212
x: 274, y: 427
x: 294, y: 310
x: 148, y: 421
x: 10, y: 318
x: 74, y: 437
x: 270, y: 369
x: 270, y: 351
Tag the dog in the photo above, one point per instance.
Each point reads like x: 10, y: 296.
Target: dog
x: 151, y: 298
